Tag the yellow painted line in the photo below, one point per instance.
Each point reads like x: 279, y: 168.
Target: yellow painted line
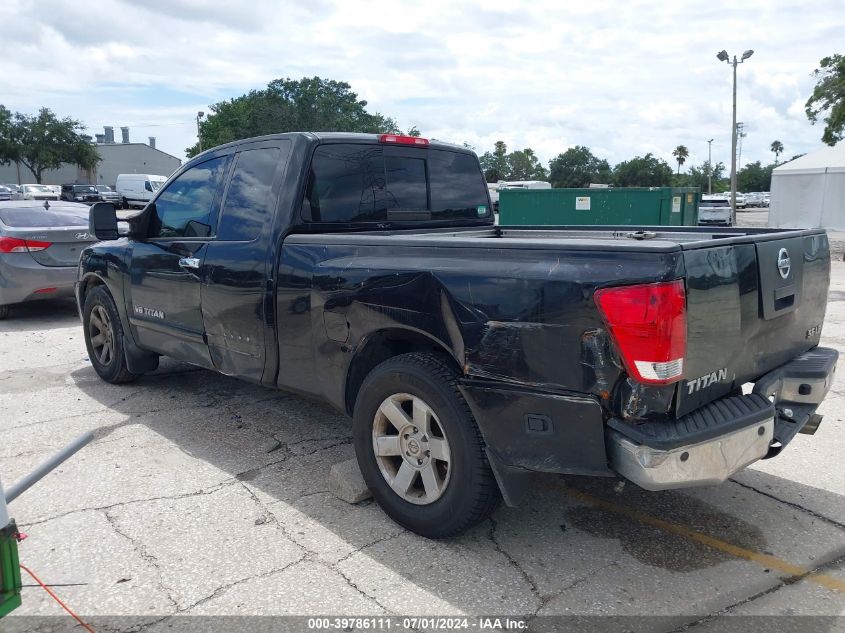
x: 765, y: 560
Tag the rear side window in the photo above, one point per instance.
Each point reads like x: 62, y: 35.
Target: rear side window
x: 368, y: 183
x: 346, y: 184
x: 458, y: 190
x: 249, y: 200
x: 184, y: 208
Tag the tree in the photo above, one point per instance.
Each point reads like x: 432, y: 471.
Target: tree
x: 754, y: 177
x: 287, y: 105
x: 578, y: 167
x: 697, y: 177
x: 642, y: 171
x: 681, y: 153
x: 524, y: 165
x: 829, y: 96
x: 44, y: 142
x: 495, y: 165
x: 777, y: 150
x: 414, y: 131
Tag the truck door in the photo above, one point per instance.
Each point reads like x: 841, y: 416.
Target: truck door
x: 237, y: 290
x: 165, y: 271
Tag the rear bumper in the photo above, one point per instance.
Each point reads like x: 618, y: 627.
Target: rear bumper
x: 21, y: 277
x: 710, y: 444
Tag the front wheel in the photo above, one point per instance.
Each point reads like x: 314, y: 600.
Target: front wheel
x: 419, y: 449
x: 104, y: 337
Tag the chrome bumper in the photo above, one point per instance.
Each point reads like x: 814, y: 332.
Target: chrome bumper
x: 710, y: 444
x: 703, y: 464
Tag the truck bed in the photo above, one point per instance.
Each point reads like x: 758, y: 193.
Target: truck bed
x: 522, y: 299
x: 625, y: 238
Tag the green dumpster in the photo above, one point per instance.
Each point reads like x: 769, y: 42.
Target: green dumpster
x: 640, y: 206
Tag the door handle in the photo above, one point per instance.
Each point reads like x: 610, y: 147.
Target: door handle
x: 189, y: 262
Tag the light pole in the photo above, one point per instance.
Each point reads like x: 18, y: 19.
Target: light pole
x: 710, y: 167
x: 723, y: 56
x: 200, y: 115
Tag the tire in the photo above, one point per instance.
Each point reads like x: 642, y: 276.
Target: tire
x: 101, y: 319
x: 4, y: 312
x: 125, y: 204
x: 443, y: 497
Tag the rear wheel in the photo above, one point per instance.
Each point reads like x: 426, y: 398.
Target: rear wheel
x: 104, y: 337
x: 419, y: 449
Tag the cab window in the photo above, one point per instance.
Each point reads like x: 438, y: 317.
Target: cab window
x: 185, y: 207
x: 250, y: 202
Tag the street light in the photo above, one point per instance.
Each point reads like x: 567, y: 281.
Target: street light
x: 200, y: 115
x: 723, y: 56
x: 710, y: 167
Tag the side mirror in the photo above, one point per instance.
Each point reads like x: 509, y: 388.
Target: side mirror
x: 102, y: 221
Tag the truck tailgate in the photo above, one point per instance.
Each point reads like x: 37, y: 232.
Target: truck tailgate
x: 751, y: 307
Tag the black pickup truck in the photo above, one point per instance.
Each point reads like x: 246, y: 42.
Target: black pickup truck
x: 367, y: 271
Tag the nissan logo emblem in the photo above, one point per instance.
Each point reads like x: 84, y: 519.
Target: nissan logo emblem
x: 784, y: 265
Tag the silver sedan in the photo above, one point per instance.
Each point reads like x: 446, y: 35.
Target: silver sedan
x: 40, y: 244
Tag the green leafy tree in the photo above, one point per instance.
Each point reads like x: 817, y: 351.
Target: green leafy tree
x: 754, y: 177
x: 642, y: 171
x: 681, y: 153
x: 414, y: 131
x: 829, y: 97
x: 524, y: 165
x: 43, y: 142
x: 495, y: 164
x: 287, y: 105
x: 7, y: 150
x: 578, y: 167
x: 777, y: 150
x: 696, y: 176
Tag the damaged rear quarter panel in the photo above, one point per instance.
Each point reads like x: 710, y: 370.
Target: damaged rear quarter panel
x: 523, y: 318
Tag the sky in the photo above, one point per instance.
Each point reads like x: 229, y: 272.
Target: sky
x: 623, y: 78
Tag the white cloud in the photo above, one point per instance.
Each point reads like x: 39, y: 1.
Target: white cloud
x: 623, y: 79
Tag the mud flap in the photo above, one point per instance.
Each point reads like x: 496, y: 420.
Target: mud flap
x: 513, y: 481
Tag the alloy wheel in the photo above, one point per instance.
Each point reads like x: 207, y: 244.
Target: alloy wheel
x: 411, y: 449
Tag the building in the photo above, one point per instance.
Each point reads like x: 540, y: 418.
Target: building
x: 117, y: 158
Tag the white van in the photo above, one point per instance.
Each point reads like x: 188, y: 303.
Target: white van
x: 136, y: 190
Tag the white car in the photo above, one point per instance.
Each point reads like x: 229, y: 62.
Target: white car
x: 714, y: 210
x: 38, y: 192
x: 136, y: 190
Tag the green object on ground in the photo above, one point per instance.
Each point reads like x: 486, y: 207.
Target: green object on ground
x: 10, y: 571
x: 611, y: 206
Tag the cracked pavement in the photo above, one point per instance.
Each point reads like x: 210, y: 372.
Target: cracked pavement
x: 205, y: 495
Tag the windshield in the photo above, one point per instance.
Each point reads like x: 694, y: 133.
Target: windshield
x: 84, y: 189
x: 103, y: 188
x: 36, y: 189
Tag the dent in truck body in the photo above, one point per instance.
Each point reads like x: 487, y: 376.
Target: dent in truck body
x: 522, y: 329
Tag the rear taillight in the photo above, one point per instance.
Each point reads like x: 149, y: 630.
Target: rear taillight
x: 649, y: 326
x: 398, y: 139
x: 16, y: 245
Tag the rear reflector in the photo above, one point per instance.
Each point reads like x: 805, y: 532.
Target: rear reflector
x: 16, y: 245
x: 45, y: 291
x: 398, y: 139
x: 648, y: 323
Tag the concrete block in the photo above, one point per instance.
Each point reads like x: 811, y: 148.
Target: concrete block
x: 346, y: 482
